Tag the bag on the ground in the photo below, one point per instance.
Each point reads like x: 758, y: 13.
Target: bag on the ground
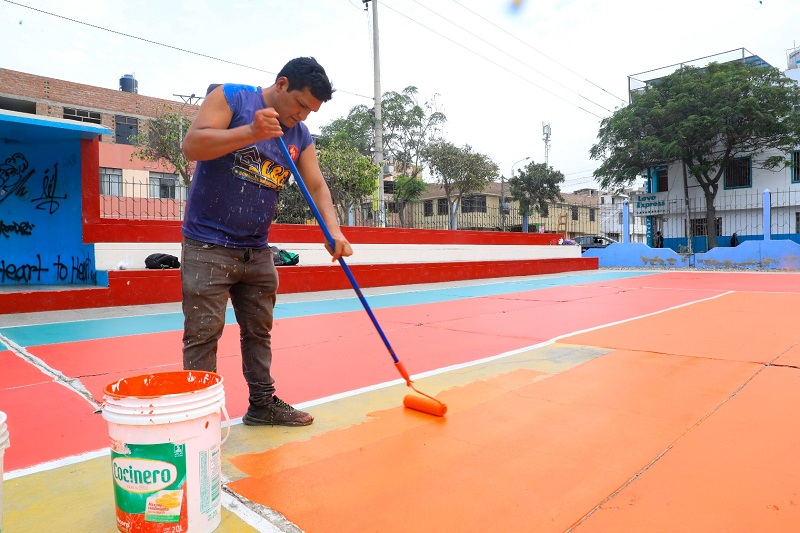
x: 284, y: 257
x: 159, y: 261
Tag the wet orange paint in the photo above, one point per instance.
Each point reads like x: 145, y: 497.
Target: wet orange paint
x: 737, y: 472
x: 515, y: 453
x: 162, y: 383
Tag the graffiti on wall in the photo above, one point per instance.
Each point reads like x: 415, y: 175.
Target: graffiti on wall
x: 14, y: 176
x: 30, y: 209
x: 69, y: 270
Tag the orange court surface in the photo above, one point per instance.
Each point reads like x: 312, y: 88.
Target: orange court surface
x: 597, y: 401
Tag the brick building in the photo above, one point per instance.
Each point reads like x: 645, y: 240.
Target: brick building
x: 127, y: 184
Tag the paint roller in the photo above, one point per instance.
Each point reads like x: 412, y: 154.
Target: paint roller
x: 423, y: 403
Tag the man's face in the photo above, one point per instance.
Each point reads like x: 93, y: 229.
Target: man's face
x: 294, y: 106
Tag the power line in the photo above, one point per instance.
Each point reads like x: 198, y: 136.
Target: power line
x: 539, y: 52
x: 490, y: 61
x: 511, y: 56
x: 162, y: 44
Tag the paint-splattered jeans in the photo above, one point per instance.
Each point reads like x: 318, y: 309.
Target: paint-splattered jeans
x: 209, y: 273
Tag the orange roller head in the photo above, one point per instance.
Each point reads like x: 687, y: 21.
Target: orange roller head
x: 425, y: 405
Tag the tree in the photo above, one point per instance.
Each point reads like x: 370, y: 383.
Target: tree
x: 702, y: 118
x: 460, y: 171
x: 161, y: 143
x: 356, y: 128
x: 350, y: 176
x: 535, y: 186
x: 406, y: 190
x: 408, y: 128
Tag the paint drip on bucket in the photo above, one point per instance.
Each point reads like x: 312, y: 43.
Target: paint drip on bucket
x: 165, y: 451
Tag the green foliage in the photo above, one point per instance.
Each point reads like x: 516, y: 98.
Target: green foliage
x: 460, y: 171
x: 702, y: 118
x: 161, y: 143
x: 350, y: 176
x: 356, y: 129
x: 408, y: 126
x: 536, y: 186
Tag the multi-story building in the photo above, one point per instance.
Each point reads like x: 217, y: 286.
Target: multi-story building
x: 677, y: 206
x: 612, y: 206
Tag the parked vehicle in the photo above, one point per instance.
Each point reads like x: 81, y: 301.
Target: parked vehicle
x: 593, y: 241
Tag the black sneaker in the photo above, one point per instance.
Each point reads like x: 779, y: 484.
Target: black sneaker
x: 276, y: 413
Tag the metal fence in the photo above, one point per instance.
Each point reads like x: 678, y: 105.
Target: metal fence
x: 740, y: 212
x: 143, y: 201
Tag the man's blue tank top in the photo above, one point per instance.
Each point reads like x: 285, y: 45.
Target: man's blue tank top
x: 232, y: 199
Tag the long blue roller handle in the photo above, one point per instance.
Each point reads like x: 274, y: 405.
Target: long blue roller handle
x: 332, y: 244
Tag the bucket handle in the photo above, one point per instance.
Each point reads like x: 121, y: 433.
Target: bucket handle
x: 228, y: 421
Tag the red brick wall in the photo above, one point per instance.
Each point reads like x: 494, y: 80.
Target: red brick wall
x: 54, y: 92
x: 52, y: 95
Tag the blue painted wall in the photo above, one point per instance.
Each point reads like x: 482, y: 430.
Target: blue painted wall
x: 40, y: 203
x: 750, y: 254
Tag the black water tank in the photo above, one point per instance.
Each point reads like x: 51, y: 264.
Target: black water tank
x: 128, y: 84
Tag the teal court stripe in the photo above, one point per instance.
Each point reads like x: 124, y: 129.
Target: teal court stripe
x: 103, y: 328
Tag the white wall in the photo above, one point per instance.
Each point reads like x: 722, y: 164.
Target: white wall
x: 109, y: 255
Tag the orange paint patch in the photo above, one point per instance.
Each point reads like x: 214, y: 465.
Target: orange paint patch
x: 514, y: 453
x: 736, y: 472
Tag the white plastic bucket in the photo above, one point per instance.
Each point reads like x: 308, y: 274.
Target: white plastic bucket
x: 165, y: 451
x: 4, y: 443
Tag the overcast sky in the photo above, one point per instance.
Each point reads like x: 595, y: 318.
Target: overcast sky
x: 497, y: 73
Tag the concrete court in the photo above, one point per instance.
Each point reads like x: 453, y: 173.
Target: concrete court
x: 593, y: 401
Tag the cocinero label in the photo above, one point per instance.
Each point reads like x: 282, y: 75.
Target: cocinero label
x: 150, y: 487
x: 142, y: 475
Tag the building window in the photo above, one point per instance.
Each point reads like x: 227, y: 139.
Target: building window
x: 110, y: 181
x: 391, y: 207
x: 574, y: 211
x: 796, y: 167
x: 388, y: 187
x: 737, y: 173
x: 163, y: 185
x: 82, y: 115
x: 797, y: 222
x: 474, y: 204
x: 428, y: 207
x: 441, y: 206
x: 126, y: 127
x: 662, y: 184
x: 591, y: 215
x: 700, y: 227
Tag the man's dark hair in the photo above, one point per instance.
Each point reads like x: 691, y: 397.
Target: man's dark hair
x: 305, y: 72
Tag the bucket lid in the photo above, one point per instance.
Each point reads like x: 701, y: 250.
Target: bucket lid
x: 160, y: 384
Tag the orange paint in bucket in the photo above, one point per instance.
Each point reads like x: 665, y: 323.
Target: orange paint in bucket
x: 164, y: 430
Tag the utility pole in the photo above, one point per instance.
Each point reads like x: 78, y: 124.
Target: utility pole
x: 378, y: 126
x: 187, y: 99
x: 546, y: 139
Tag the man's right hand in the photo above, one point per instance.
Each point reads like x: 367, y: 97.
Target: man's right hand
x: 265, y: 124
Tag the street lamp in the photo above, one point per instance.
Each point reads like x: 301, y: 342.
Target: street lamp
x: 503, y: 193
